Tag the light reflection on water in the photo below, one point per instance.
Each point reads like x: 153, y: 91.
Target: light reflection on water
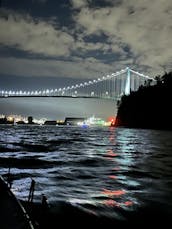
x: 102, y: 169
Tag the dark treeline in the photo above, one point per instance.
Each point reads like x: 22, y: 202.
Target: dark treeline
x: 149, y: 107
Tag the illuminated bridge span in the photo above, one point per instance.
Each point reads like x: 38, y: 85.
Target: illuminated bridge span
x: 110, y: 86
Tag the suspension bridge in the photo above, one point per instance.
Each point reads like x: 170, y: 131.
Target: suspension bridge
x: 111, y: 86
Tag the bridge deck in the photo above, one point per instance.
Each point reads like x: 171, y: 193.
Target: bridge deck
x: 55, y: 96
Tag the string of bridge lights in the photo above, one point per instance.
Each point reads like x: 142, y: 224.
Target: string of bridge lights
x: 5, y: 93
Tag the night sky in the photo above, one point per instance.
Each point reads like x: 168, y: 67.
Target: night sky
x: 51, y: 44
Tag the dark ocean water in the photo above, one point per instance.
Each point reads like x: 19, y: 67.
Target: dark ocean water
x: 109, y: 172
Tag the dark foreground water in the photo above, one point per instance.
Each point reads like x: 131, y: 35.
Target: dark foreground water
x: 117, y: 173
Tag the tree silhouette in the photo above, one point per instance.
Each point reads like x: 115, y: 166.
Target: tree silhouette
x: 149, y: 107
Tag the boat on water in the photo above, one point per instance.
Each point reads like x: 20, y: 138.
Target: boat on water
x: 12, y: 213
x: 93, y: 122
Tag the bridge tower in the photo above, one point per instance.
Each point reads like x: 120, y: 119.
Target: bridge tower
x: 127, y: 85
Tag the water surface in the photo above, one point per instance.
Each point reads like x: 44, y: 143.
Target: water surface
x: 112, y: 172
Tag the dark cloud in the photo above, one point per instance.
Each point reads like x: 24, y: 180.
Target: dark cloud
x: 144, y: 26
x: 103, y: 36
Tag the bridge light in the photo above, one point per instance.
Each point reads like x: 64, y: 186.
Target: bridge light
x: 91, y: 82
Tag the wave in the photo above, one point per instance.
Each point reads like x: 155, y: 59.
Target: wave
x: 25, y: 163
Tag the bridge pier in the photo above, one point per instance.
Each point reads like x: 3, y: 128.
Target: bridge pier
x: 127, y: 86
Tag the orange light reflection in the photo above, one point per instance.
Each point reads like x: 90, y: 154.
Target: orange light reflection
x: 110, y: 153
x: 113, y: 192
x: 111, y: 203
x: 128, y: 203
x: 112, y: 176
